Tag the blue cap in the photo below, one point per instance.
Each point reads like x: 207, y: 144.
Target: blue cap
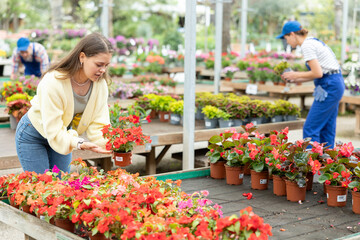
x: 23, y: 44
x: 291, y: 26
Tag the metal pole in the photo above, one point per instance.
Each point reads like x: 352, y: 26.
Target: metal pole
x: 353, y: 25
x: 244, y: 9
x: 189, y: 85
x: 344, y: 27
x: 105, y: 18
x: 218, y: 44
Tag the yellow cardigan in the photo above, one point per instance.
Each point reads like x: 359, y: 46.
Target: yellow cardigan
x: 52, y: 111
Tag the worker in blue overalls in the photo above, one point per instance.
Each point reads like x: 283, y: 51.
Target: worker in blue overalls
x: 32, y: 55
x: 324, y: 69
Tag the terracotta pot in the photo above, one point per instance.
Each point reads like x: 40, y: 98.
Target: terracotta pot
x: 247, y: 169
x: 234, y: 175
x: 164, y: 116
x: 97, y: 236
x: 217, y: 170
x: 13, y: 204
x: 122, y: 159
x: 26, y: 208
x: 294, y: 193
x: 261, y: 82
x: 259, y: 180
x: 355, y: 202
x: 336, y: 196
x: 282, y: 83
x: 65, y: 224
x: 276, y: 83
x: 153, y: 114
x: 310, y: 180
x: 227, y: 79
x: 324, y: 188
x: 279, y: 186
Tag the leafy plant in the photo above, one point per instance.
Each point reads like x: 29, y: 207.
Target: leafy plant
x: 211, y: 112
x: 280, y: 67
x: 177, y: 107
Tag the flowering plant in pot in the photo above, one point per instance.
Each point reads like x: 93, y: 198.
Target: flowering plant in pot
x: 155, y: 63
x: 123, y: 137
x: 17, y: 105
x: 136, y: 70
x: 117, y: 70
x: 354, y: 185
x: 229, y: 72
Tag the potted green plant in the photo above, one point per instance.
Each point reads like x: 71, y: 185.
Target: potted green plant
x: 161, y: 104
x: 243, y: 65
x: 211, y: 116
x: 354, y: 185
x: 280, y: 68
x: 176, y: 111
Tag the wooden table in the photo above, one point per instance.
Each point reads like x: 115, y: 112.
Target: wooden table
x: 355, y: 100
x: 162, y: 134
x: 283, y: 92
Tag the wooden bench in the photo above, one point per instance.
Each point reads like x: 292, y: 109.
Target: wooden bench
x: 354, y: 100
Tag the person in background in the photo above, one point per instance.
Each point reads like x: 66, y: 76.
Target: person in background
x: 32, y: 55
x: 324, y: 70
x: 71, y: 99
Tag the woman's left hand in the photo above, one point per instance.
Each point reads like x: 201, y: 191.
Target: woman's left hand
x: 94, y: 148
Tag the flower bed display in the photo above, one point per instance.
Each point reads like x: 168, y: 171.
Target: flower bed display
x: 124, y: 206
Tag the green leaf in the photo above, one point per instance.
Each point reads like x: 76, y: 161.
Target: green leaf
x: 87, y: 187
x: 215, y: 139
x: 94, y: 231
x: 324, y: 177
x: 354, y: 184
x: 87, y: 202
x: 258, y: 166
x: 228, y: 144
x: 301, y: 159
x: 215, y: 157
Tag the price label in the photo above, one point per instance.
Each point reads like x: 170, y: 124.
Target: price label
x: 251, y: 89
x: 341, y: 198
x: 175, y: 118
x: 166, y: 116
x: 241, y: 176
x: 119, y: 159
x: 263, y: 181
x: 207, y: 124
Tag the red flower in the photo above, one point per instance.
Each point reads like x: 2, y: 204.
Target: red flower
x: 327, y: 182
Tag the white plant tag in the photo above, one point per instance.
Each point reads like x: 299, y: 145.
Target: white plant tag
x: 166, y: 116
x: 263, y: 181
x: 251, y: 89
x: 241, y: 176
x: 341, y: 198
x: 327, y: 195
x: 174, y: 118
x: 207, y: 124
x: 119, y: 159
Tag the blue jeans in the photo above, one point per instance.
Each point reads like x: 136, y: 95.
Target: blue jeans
x: 34, y: 151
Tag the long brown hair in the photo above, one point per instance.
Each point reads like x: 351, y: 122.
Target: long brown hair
x: 90, y: 45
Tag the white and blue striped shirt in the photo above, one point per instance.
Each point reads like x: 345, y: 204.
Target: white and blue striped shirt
x: 315, y: 49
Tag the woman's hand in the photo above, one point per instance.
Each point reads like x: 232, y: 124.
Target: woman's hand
x: 290, y: 77
x: 94, y: 148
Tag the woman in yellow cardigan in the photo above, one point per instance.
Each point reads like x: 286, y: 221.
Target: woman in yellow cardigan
x: 71, y: 99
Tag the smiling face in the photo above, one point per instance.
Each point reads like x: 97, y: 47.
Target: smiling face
x: 94, y: 67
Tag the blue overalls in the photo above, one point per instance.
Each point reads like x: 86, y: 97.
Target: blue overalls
x: 320, y: 124
x: 33, y: 67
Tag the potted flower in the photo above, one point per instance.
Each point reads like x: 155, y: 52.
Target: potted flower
x: 136, y: 70
x: 176, y: 111
x: 122, y: 138
x: 354, y: 185
x: 280, y: 68
x: 251, y: 74
x: 209, y: 63
x: 335, y: 174
x: 229, y: 72
x: 117, y: 70
x: 154, y: 63
x: 16, y: 106
x: 167, y: 81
